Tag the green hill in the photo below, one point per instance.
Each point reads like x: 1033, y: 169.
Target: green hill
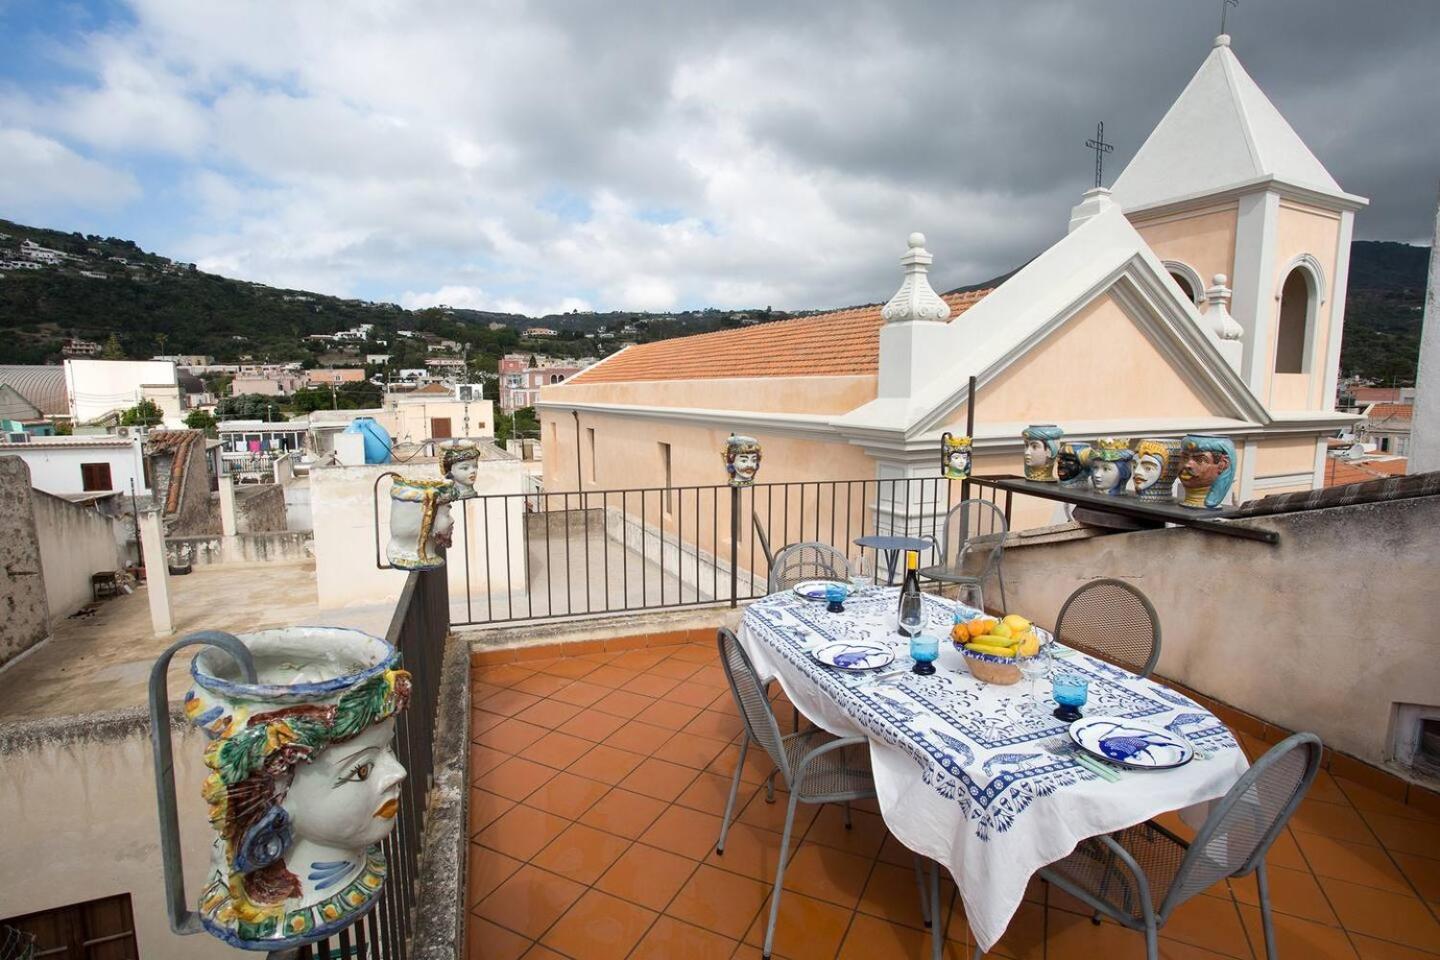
x: 1383, y: 310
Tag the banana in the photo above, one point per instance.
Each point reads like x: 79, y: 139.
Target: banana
x: 991, y: 649
x: 999, y: 641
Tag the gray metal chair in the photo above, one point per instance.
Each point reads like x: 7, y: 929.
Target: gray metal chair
x: 813, y: 766
x: 1114, y: 621
x: 1139, y: 876
x: 971, y: 546
x: 807, y: 561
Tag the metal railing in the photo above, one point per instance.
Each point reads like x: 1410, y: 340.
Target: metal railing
x: 418, y: 631
x: 540, y: 555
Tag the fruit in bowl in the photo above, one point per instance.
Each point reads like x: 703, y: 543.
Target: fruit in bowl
x: 1008, y: 638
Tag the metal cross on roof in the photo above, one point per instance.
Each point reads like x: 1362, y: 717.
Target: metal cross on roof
x: 1225, y: 6
x: 1101, y: 148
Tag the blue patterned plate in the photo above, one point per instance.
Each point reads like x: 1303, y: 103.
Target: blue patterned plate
x: 853, y: 656
x: 1131, y: 743
x: 817, y: 589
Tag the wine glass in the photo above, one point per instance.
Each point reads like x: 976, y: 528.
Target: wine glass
x: 970, y: 595
x: 862, y: 572
x: 912, y: 614
x: 1034, y: 669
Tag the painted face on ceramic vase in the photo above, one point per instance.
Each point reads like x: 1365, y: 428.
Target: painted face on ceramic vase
x: 960, y: 460
x: 1201, y: 468
x: 443, y: 529
x: 746, y: 465
x: 346, y: 799
x: 1036, y: 453
x: 1104, y: 475
x: 1067, y: 466
x: 464, y: 473
x: 1147, y: 470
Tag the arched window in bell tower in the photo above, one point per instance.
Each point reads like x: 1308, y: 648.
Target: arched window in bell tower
x: 1297, y: 300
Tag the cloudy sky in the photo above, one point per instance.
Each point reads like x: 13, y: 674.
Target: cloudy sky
x: 655, y: 155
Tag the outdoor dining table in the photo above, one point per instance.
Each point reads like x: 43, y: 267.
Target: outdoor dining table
x: 961, y: 778
x: 892, y: 547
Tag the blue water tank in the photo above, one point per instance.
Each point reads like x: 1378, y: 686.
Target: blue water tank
x: 377, y: 440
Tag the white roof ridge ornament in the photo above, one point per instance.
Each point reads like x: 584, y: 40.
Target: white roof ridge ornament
x: 916, y: 299
x: 1217, y: 300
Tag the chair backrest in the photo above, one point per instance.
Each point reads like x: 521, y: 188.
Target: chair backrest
x: 973, y: 537
x: 764, y: 540
x: 1113, y: 620
x: 1241, y: 828
x: 807, y: 561
x: 750, y: 700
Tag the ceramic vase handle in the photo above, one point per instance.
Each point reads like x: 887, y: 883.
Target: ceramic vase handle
x: 182, y: 919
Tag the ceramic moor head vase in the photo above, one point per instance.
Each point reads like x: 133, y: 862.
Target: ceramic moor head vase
x: 1072, y: 464
x: 954, y: 456
x: 1157, y: 464
x: 1111, y: 463
x: 742, y: 460
x: 460, y: 463
x: 420, y: 523
x: 303, y: 784
x: 1042, y: 447
x: 1207, y: 469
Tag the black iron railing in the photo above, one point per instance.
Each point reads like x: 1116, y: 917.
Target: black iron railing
x: 543, y: 555
x: 418, y: 630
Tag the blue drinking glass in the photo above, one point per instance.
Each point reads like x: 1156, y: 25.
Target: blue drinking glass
x: 836, y: 595
x: 1071, y: 691
x: 923, y: 650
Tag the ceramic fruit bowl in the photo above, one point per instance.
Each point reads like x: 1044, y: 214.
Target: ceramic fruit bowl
x: 988, y: 668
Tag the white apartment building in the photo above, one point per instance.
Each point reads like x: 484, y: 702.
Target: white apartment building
x: 67, y: 466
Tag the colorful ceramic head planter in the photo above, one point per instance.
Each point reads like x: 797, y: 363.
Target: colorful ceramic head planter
x: 1042, y: 448
x: 1157, y: 464
x: 1207, y: 469
x: 1072, y: 466
x: 742, y: 460
x: 420, y: 523
x: 954, y: 456
x: 460, y: 463
x: 1111, y: 462
x: 303, y: 784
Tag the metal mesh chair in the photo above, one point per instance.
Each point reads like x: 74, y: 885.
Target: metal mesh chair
x: 16, y: 944
x: 807, y: 561
x: 1114, y: 621
x: 813, y: 764
x: 971, y: 546
x: 1139, y: 876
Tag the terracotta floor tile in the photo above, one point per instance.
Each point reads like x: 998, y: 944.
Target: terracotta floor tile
x: 481, y: 720
x: 771, y: 816
x: 708, y: 792
x: 750, y: 852
x: 606, y: 764
x: 592, y: 725
x: 870, y: 938
x: 675, y: 669
x: 659, y: 779
x: 485, y: 808
x: 641, y: 659
x: 484, y: 759
x: 511, y: 736
x: 567, y: 795
x: 637, y: 737
x: 523, y: 832
x: 1291, y: 891
x: 557, y: 749
x: 507, y: 702
x: 1285, y: 852
x: 610, y: 676
x: 1024, y: 938
x: 501, y: 675
x: 647, y: 876
x: 1211, y: 923
x: 1356, y: 862
x: 530, y: 901
x: 582, y: 693
x: 623, y: 813
x: 827, y: 874
x: 572, y: 668
x: 623, y: 703
x: 1387, y: 916
x: 541, y: 684
x: 516, y: 778
x: 670, y: 939
x: 1423, y: 872
x: 757, y: 764
x: 486, y: 941
x: 1331, y: 820
x: 807, y: 929
x: 724, y: 903
x: 711, y: 676
x: 681, y: 830
x: 650, y: 685
x: 548, y: 713
x: 691, y: 750
x: 864, y: 837
x: 581, y: 853
x: 487, y: 870
x: 599, y: 927
x: 672, y: 716
x: 713, y: 723
x: 1325, y: 788
x: 1072, y: 935
x: 1295, y: 937
x: 1405, y: 835
x: 693, y: 694
x: 539, y: 952
x: 1371, y: 949
x: 1367, y: 800
x: 891, y: 894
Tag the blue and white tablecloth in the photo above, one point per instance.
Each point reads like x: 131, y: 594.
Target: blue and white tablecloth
x: 960, y: 779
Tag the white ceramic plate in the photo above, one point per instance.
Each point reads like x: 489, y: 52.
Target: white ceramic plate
x: 1131, y: 743
x: 817, y: 589
x: 853, y: 656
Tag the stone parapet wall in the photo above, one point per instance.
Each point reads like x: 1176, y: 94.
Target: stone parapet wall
x: 27, y: 612
x: 276, y: 547
x: 259, y: 508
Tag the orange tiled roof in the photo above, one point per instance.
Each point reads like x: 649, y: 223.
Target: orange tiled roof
x: 1391, y: 411
x: 1338, y: 472
x: 1375, y: 394
x: 839, y: 343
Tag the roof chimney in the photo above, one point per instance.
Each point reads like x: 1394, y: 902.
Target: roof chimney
x: 1095, y: 202
x: 916, y: 299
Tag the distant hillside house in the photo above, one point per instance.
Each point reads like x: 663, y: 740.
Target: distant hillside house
x: 522, y: 375
x: 1203, y: 293
x: 76, y: 347
x: 539, y: 332
x: 334, y: 376
x: 100, y: 390
x: 1387, y: 426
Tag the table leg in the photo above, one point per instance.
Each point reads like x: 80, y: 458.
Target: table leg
x: 891, y: 558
